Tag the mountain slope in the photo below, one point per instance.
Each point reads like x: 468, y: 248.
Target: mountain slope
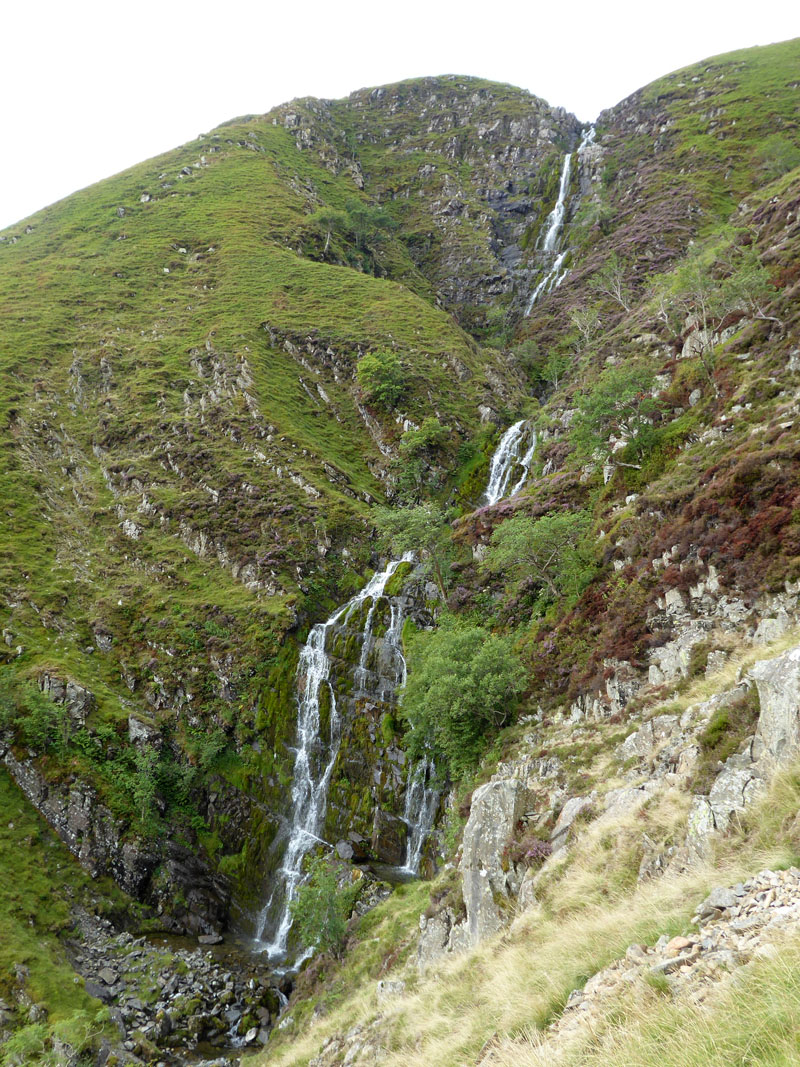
x: 198, y: 466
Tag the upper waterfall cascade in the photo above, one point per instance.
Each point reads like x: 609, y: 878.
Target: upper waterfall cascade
x: 554, y: 274
x: 316, y: 754
x: 513, y: 453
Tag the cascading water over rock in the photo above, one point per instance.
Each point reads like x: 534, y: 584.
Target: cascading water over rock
x: 422, y: 802
x: 315, y: 755
x: 554, y: 275
x: 513, y: 453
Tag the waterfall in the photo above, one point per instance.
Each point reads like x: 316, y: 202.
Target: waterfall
x: 554, y: 275
x: 315, y: 755
x: 507, y: 456
x: 420, y: 811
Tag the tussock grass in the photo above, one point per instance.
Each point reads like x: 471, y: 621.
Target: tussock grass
x: 754, y: 1019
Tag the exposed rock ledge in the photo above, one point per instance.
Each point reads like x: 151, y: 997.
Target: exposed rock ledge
x: 98, y: 840
x: 666, y: 748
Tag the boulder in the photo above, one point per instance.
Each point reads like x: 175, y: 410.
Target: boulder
x: 496, y: 809
x: 141, y: 733
x: 434, y: 936
x: 569, y: 813
x: 734, y: 788
x: 700, y: 827
x: 778, y: 682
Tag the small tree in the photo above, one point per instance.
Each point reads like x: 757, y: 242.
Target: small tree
x: 368, y: 224
x: 320, y: 909
x: 144, y: 785
x: 381, y: 378
x: 430, y: 436
x: 586, y: 322
x: 610, y: 281
x: 422, y: 529
x: 749, y: 287
x: 329, y: 221
x: 621, y: 403
x: 555, y: 367
x: 463, y: 683
x: 553, y: 552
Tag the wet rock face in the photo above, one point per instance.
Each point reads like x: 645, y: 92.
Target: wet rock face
x: 389, y: 838
x: 160, y: 874
x: 370, y: 775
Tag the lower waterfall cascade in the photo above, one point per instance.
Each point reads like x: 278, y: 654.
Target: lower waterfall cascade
x: 315, y: 755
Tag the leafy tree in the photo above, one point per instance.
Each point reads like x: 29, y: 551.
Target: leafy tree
x: 553, y: 552
x: 422, y: 529
x: 368, y: 224
x: 463, y: 684
x: 329, y: 221
x: 430, y: 436
x: 547, y: 367
x: 749, y: 287
x: 381, y: 378
x: 610, y: 281
x: 365, y: 226
x: 320, y: 909
x: 621, y: 403
x: 555, y: 367
x: 412, y: 466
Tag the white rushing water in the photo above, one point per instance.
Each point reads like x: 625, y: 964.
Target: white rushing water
x: 554, y: 275
x: 315, y: 755
x: 422, y: 801
x: 510, y: 454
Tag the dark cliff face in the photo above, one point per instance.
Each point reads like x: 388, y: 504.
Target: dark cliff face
x: 468, y: 168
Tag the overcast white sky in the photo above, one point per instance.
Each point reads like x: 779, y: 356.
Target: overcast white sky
x: 89, y: 87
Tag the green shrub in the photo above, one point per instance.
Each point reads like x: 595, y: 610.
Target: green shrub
x: 320, y: 909
x: 381, y: 378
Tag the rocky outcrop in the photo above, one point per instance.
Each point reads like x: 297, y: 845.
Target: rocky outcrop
x: 493, y: 157
x: 487, y: 881
x: 663, y: 753
x: 167, y: 875
x: 778, y: 683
